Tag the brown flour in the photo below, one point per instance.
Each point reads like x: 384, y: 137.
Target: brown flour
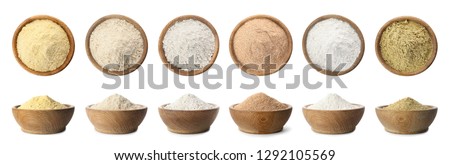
x: 259, y: 40
x: 260, y: 102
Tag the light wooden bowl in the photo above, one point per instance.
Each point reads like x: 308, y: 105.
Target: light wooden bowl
x: 128, y: 70
x: 43, y: 121
x: 333, y: 121
x: 188, y: 121
x: 324, y: 70
x: 433, y: 42
x: 247, y: 68
x: 69, y: 36
x: 260, y: 122
x: 116, y: 121
x: 162, y: 53
x: 406, y: 122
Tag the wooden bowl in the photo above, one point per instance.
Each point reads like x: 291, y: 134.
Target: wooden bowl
x: 43, y: 121
x: 111, y: 72
x: 324, y: 70
x: 333, y: 121
x: 69, y: 36
x: 162, y: 53
x: 433, y: 42
x: 247, y: 68
x: 116, y: 121
x: 188, y: 121
x: 260, y: 122
x: 406, y: 122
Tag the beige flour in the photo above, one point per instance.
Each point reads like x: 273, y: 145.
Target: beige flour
x: 43, y: 45
x: 116, y: 42
x: 258, y: 39
x: 116, y: 102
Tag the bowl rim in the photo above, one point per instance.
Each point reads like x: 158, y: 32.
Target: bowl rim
x: 143, y: 107
x: 416, y: 20
x: 69, y: 37
x: 432, y: 108
x: 136, y: 25
x: 360, y: 107
x: 274, y: 20
x: 216, y: 108
x: 175, y: 69
x: 289, y: 108
x: 324, y: 70
x: 69, y: 107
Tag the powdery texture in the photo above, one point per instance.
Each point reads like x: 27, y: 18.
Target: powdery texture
x: 116, y: 42
x: 333, y: 102
x: 189, y: 40
x: 258, y: 40
x: 337, y: 38
x: 189, y: 102
x: 116, y: 102
x: 260, y: 102
x: 407, y: 104
x: 406, y: 46
x: 42, y: 103
x: 43, y: 45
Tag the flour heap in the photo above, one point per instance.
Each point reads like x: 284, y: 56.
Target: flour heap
x: 336, y: 38
x: 189, y: 44
x: 116, y: 102
x: 42, y: 103
x: 261, y: 102
x: 189, y: 102
x: 333, y: 102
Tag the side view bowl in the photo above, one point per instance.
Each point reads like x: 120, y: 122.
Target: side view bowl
x: 406, y: 122
x: 43, y: 121
x: 260, y: 122
x: 188, y: 121
x: 116, y: 121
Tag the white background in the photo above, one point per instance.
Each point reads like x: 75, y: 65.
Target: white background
x: 80, y: 84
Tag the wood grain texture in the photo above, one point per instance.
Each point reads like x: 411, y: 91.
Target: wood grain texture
x: 128, y: 70
x: 162, y: 53
x: 406, y: 122
x: 69, y: 36
x: 43, y: 121
x: 333, y: 121
x: 414, y: 19
x: 245, y: 67
x: 188, y: 121
x: 325, y: 71
x: 116, y: 121
x: 260, y: 122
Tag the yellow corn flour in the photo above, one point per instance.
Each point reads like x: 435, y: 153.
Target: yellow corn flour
x: 42, y: 103
x: 43, y: 45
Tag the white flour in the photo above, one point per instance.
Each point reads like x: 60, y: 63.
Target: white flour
x: 189, y: 102
x: 333, y: 102
x: 117, y: 42
x: 116, y: 102
x: 189, y: 40
x: 334, y: 37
